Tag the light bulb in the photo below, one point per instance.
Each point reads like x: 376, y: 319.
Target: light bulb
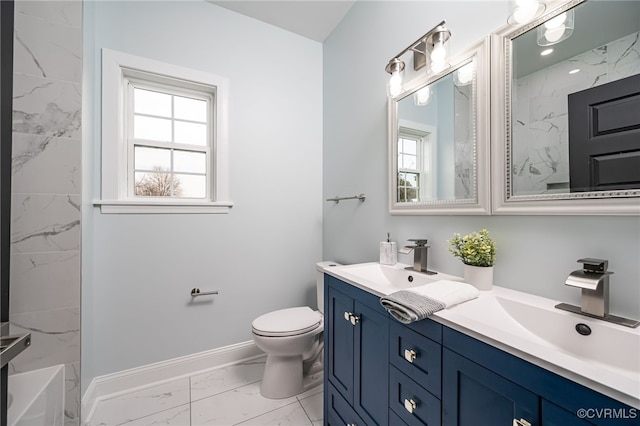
x: 554, y: 34
x: 465, y: 74
x: 395, y: 84
x: 422, y: 96
x: 439, y: 52
x: 556, y: 22
x: 437, y: 66
x: 525, y: 13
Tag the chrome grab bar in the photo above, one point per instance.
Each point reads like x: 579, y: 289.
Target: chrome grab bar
x: 195, y: 292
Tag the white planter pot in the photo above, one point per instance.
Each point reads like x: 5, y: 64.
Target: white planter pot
x: 481, y: 277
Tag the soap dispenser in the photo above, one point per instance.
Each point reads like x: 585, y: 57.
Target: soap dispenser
x: 388, y: 252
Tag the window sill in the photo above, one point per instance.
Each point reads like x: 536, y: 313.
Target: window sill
x: 162, y: 207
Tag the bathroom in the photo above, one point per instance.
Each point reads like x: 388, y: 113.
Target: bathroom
x: 317, y: 111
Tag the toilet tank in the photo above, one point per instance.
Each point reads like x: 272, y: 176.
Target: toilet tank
x: 320, y: 267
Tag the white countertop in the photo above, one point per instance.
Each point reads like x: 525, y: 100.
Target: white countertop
x: 531, y: 328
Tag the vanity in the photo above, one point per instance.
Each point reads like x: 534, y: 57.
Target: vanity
x: 505, y: 358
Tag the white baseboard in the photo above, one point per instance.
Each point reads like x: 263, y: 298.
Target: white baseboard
x: 126, y: 380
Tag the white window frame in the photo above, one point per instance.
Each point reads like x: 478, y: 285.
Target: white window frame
x: 117, y: 69
x: 427, y: 169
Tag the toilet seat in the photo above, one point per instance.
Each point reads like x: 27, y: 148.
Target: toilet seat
x: 287, y: 322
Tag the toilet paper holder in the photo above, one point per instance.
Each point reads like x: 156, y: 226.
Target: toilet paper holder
x: 195, y: 292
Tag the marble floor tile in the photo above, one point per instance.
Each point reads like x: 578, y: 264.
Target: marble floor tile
x: 226, y: 378
x: 292, y: 414
x: 309, y: 392
x: 144, y: 402
x: 234, y: 406
x: 313, y: 408
x: 178, y: 416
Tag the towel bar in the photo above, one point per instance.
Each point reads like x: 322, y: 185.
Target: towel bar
x: 337, y: 199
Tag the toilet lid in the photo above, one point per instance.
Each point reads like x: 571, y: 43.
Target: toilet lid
x: 287, y: 322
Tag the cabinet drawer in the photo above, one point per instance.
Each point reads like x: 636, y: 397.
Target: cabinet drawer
x: 411, y: 402
x: 416, y: 356
x: 339, y: 412
x: 428, y: 328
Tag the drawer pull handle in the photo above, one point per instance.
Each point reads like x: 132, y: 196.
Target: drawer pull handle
x: 521, y: 422
x: 410, y: 405
x: 355, y: 319
x: 410, y: 355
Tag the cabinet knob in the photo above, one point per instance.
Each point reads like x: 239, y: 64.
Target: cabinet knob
x: 410, y: 355
x: 347, y: 316
x: 521, y: 422
x: 351, y: 424
x: 410, y: 405
x: 355, y: 319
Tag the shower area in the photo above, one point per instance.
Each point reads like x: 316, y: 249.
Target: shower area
x: 40, y: 214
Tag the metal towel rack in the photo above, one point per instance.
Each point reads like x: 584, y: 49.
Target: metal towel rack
x: 337, y: 199
x: 196, y: 292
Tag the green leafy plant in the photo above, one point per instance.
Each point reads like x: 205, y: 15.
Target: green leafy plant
x: 476, y: 248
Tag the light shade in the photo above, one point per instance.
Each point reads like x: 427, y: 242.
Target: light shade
x: 423, y: 96
x: 525, y: 11
x: 464, y: 75
x: 395, y: 67
x: 556, y: 29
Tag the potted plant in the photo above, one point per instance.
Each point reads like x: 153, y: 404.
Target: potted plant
x: 478, y: 253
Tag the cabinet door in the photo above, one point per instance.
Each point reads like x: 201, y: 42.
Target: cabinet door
x: 339, y: 342
x: 552, y: 415
x: 371, y: 373
x: 473, y: 395
x: 339, y: 412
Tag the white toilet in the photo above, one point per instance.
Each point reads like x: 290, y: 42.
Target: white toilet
x: 292, y: 340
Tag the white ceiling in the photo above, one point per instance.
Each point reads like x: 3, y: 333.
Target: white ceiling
x: 309, y: 18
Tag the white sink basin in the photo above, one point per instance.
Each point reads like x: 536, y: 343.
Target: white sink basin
x: 385, y: 279
x: 611, y: 346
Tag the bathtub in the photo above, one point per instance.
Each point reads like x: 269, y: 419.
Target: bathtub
x: 36, y: 398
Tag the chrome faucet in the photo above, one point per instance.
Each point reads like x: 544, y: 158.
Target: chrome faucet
x: 593, y: 279
x: 419, y: 255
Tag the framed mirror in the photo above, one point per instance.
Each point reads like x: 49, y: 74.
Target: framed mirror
x: 566, y: 111
x: 439, y: 140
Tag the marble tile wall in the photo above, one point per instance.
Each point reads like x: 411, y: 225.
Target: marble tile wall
x: 540, y: 133
x: 45, y: 216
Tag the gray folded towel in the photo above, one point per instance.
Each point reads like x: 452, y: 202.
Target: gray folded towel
x: 408, y: 306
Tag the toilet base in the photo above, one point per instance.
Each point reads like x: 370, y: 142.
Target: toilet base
x: 283, y: 377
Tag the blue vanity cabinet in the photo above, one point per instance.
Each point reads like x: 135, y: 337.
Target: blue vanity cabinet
x: 356, y: 355
x: 482, y: 384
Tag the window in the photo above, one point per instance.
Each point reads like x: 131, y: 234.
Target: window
x: 164, y: 145
x: 416, y: 177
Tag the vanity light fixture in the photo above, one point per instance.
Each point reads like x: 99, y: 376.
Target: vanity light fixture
x: 556, y: 29
x: 432, y: 45
x: 525, y: 11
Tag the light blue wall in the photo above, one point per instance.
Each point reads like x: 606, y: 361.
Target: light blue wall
x: 535, y: 253
x: 139, y: 269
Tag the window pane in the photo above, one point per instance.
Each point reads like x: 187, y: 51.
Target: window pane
x: 153, y: 103
x: 191, y: 133
x: 190, y: 109
x: 191, y: 162
x: 153, y: 184
x: 146, y: 158
x: 409, y: 162
x: 409, y: 146
x: 191, y: 186
x: 157, y: 129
